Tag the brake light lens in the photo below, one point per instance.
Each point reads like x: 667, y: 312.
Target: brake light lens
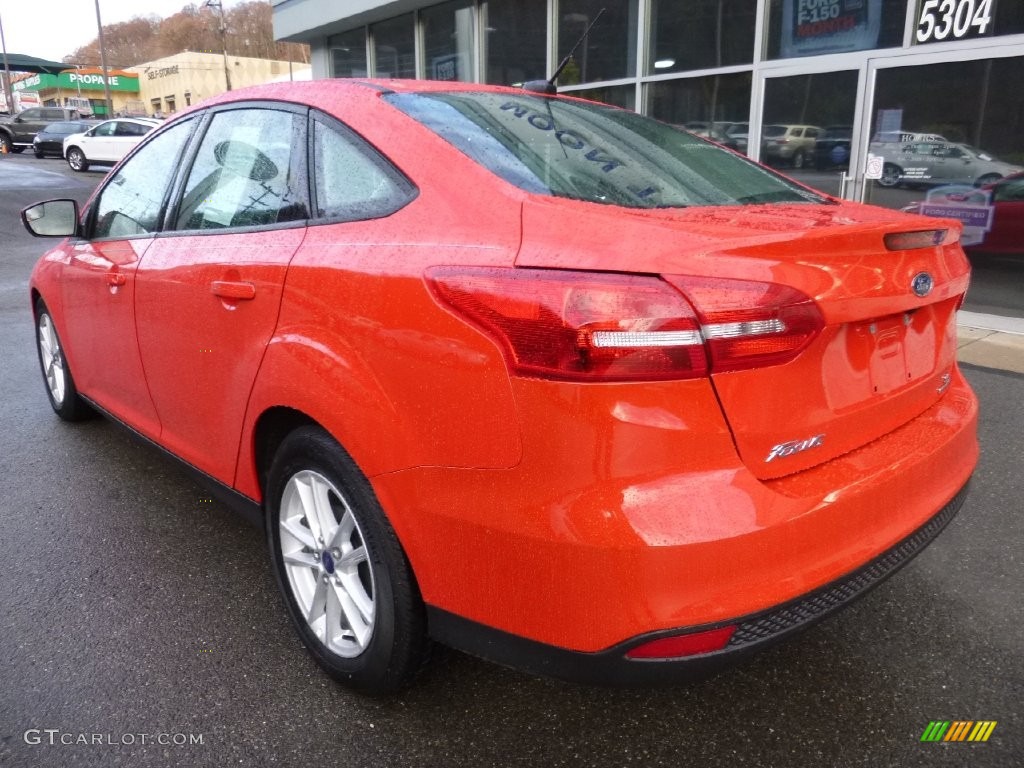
x: 751, y: 324
x: 929, y: 238
x: 592, y: 326
x: 678, y: 646
x: 578, y: 326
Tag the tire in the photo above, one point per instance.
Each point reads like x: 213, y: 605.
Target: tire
x: 17, y: 150
x: 60, y: 384
x: 988, y: 178
x: 77, y: 161
x: 39, y: 155
x: 798, y: 160
x: 891, y: 175
x: 346, y: 582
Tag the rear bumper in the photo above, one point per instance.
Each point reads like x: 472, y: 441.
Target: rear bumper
x: 602, y: 538
x: 753, y: 632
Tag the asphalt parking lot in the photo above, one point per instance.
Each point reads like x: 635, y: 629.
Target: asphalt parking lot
x: 137, y: 611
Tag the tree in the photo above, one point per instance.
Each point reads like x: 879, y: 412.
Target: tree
x: 194, y: 28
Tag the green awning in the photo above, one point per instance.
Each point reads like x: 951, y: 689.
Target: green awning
x: 19, y: 62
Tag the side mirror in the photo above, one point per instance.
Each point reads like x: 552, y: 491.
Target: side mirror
x: 51, y: 218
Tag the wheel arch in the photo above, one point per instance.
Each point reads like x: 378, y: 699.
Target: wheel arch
x: 269, y: 431
x: 304, y: 382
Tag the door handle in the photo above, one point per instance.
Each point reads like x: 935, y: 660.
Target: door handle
x: 236, y: 291
x: 115, y: 279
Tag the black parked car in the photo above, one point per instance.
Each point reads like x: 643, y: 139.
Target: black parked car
x: 50, y: 140
x: 832, y: 150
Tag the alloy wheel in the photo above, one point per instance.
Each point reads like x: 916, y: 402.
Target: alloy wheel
x: 53, y: 359
x: 327, y: 563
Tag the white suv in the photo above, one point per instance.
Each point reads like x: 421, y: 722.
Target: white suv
x: 106, y: 143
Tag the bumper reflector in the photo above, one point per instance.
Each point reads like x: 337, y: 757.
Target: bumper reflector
x: 677, y: 646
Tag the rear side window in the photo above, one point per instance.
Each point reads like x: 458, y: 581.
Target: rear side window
x: 131, y: 129
x: 585, y: 151
x: 131, y: 202
x: 352, y: 180
x: 249, y: 171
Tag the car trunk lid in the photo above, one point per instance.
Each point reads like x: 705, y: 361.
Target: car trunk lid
x: 883, y: 355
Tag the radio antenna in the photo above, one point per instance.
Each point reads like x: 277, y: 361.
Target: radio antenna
x: 548, y: 86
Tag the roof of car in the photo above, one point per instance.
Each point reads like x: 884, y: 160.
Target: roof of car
x: 313, y: 91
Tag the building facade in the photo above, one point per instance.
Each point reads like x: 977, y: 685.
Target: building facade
x: 82, y: 89
x: 175, y: 82
x: 822, y: 87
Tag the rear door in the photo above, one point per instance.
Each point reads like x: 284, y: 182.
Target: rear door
x: 209, y: 288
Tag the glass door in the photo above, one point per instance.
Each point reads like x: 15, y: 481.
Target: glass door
x: 807, y: 125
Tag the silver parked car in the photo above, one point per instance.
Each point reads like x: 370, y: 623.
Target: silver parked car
x: 938, y: 162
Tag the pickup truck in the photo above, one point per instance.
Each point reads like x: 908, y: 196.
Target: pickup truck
x: 17, y: 132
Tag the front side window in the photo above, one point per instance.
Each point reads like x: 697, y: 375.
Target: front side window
x: 105, y: 129
x: 249, y: 171
x: 583, y: 151
x: 130, y: 204
x: 352, y: 181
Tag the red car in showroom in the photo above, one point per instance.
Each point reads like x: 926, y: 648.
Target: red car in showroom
x: 538, y: 378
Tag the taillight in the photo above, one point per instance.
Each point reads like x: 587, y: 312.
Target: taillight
x: 676, y: 646
x: 750, y: 324
x: 580, y: 326
x: 591, y: 326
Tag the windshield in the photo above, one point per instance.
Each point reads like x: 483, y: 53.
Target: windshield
x: 591, y: 152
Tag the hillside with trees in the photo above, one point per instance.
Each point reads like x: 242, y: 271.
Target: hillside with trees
x: 194, y: 28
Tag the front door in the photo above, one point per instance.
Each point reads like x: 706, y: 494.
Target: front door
x: 99, y: 282
x: 209, y: 291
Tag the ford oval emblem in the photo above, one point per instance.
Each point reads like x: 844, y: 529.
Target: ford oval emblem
x: 922, y: 284
x: 327, y: 561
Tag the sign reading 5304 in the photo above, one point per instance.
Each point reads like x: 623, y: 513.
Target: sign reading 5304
x: 953, y: 19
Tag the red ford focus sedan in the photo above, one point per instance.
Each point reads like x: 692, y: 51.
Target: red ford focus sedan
x: 538, y: 378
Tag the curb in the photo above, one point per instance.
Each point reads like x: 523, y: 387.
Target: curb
x: 991, y: 341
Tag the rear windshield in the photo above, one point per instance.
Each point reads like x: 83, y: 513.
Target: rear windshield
x: 771, y: 131
x: 591, y: 152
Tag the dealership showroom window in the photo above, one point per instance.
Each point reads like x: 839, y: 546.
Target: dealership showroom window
x: 911, y: 104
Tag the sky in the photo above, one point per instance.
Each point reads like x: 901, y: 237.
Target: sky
x: 69, y: 24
